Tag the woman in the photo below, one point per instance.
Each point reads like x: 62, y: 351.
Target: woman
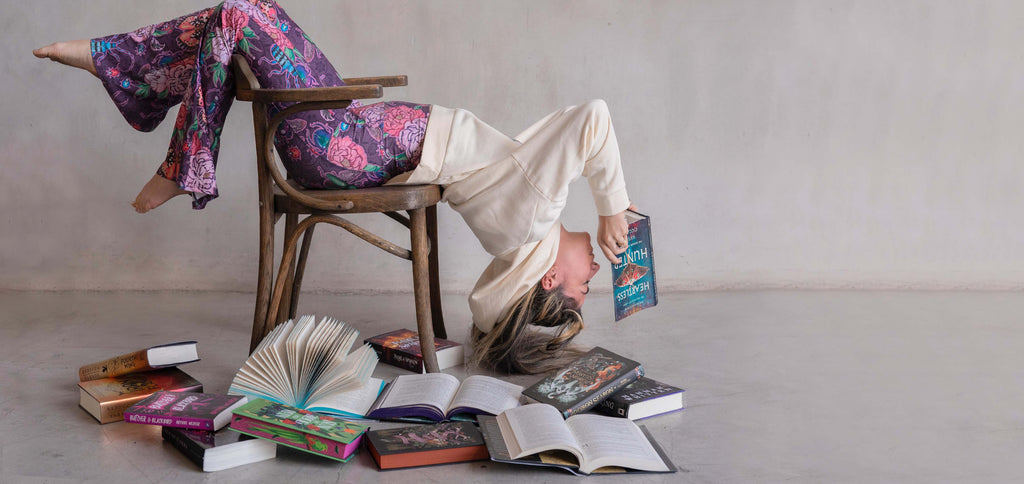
x: 510, y: 191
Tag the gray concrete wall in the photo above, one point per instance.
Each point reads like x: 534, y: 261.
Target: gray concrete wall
x: 775, y: 143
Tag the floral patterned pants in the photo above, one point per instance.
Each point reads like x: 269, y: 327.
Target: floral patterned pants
x: 187, y: 61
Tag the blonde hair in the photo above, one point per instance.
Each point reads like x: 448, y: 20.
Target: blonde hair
x: 513, y: 345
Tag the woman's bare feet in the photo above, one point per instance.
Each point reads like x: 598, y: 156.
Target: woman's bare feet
x: 76, y: 53
x: 157, y: 191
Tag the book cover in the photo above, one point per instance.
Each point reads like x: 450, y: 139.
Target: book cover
x: 401, y: 348
x: 634, y: 286
x: 424, y: 445
x: 585, y: 382
x: 300, y: 429
x: 106, y: 399
x: 160, y: 356
x: 189, y: 410
x: 214, y: 451
x: 643, y: 398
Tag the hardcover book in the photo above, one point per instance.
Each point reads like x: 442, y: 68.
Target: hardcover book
x: 582, y: 444
x: 439, y: 396
x: 401, y: 348
x: 215, y: 451
x: 634, y: 286
x: 300, y: 429
x: 424, y: 445
x: 308, y: 365
x: 189, y: 410
x: 585, y: 382
x: 107, y: 398
x: 154, y: 357
x: 643, y: 398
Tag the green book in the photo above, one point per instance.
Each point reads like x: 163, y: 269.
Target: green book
x: 300, y: 429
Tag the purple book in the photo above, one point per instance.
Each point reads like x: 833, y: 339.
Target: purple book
x: 187, y: 410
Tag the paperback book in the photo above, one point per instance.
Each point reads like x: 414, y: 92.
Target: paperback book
x: 308, y: 365
x: 634, y: 285
x: 401, y: 348
x: 300, y: 429
x: 425, y: 445
x: 582, y: 444
x: 585, y: 382
x: 439, y: 396
x: 106, y: 399
x: 643, y: 398
x: 189, y: 410
x: 151, y: 358
x: 215, y: 451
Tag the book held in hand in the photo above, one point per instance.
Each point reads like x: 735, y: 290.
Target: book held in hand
x: 440, y: 396
x: 106, y: 399
x: 582, y: 444
x: 188, y: 410
x: 634, y: 286
x: 643, y: 398
x: 425, y: 445
x: 401, y: 348
x: 151, y: 358
x: 308, y: 365
x: 215, y: 451
x: 300, y: 429
x: 585, y: 382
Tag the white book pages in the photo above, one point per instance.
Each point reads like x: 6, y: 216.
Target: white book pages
x: 486, y: 393
x: 350, y: 375
x: 295, y: 347
x: 530, y: 429
x: 613, y: 441
x: 434, y: 389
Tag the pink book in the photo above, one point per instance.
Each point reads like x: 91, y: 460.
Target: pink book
x: 300, y: 429
x: 187, y: 410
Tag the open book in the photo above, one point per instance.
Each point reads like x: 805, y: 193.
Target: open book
x: 583, y: 444
x: 308, y: 365
x: 440, y: 396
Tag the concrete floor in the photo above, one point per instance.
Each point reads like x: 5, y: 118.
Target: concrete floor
x: 782, y: 386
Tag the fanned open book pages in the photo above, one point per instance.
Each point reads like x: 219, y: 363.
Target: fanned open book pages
x: 308, y: 364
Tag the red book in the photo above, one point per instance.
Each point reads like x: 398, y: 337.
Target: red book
x: 186, y: 410
x: 425, y: 445
x: 401, y: 348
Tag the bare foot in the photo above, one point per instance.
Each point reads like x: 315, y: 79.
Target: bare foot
x: 157, y: 191
x: 76, y: 53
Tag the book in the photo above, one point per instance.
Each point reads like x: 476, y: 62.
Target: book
x: 215, y: 451
x: 107, y: 398
x: 300, y: 429
x: 401, y: 348
x: 308, y: 365
x: 634, y: 286
x: 582, y: 444
x: 643, y: 398
x: 585, y: 382
x: 440, y: 396
x: 162, y: 356
x: 189, y: 410
x: 423, y: 445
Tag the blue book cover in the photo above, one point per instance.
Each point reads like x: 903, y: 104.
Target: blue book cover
x: 634, y: 287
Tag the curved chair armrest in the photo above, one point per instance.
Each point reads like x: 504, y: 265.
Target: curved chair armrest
x: 386, y: 81
x: 314, y: 94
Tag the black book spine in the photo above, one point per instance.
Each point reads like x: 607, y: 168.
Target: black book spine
x: 605, y: 392
x: 613, y: 407
x: 191, y: 450
x: 398, y: 358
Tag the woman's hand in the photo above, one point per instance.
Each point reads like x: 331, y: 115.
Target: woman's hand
x: 613, y: 234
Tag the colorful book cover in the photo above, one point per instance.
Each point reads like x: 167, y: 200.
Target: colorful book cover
x: 142, y: 360
x: 402, y: 349
x: 107, y: 398
x: 643, y: 390
x: 585, y: 382
x: 422, y: 445
x: 634, y: 285
x: 300, y: 429
x: 187, y: 410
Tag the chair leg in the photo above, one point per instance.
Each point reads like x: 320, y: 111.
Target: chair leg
x: 287, y: 263
x: 421, y: 286
x: 435, y: 282
x: 290, y: 221
x: 300, y: 270
x: 264, y: 279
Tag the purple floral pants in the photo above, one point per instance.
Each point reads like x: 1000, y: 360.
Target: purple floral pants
x: 187, y: 61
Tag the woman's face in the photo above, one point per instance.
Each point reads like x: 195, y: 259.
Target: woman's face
x: 575, y: 265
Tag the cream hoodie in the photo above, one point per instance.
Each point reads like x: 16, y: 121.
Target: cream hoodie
x: 511, y: 191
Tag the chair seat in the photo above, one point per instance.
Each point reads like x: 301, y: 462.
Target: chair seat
x: 365, y: 200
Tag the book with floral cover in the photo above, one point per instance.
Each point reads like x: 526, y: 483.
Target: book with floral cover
x: 300, y: 429
x: 424, y: 445
x: 634, y: 285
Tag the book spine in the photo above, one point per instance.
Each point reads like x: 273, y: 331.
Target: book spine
x: 398, y: 358
x: 192, y: 423
x: 118, y: 365
x: 293, y: 438
x: 605, y: 392
x: 613, y: 407
x: 185, y: 445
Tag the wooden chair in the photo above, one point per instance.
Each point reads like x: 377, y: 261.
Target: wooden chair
x: 277, y: 298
